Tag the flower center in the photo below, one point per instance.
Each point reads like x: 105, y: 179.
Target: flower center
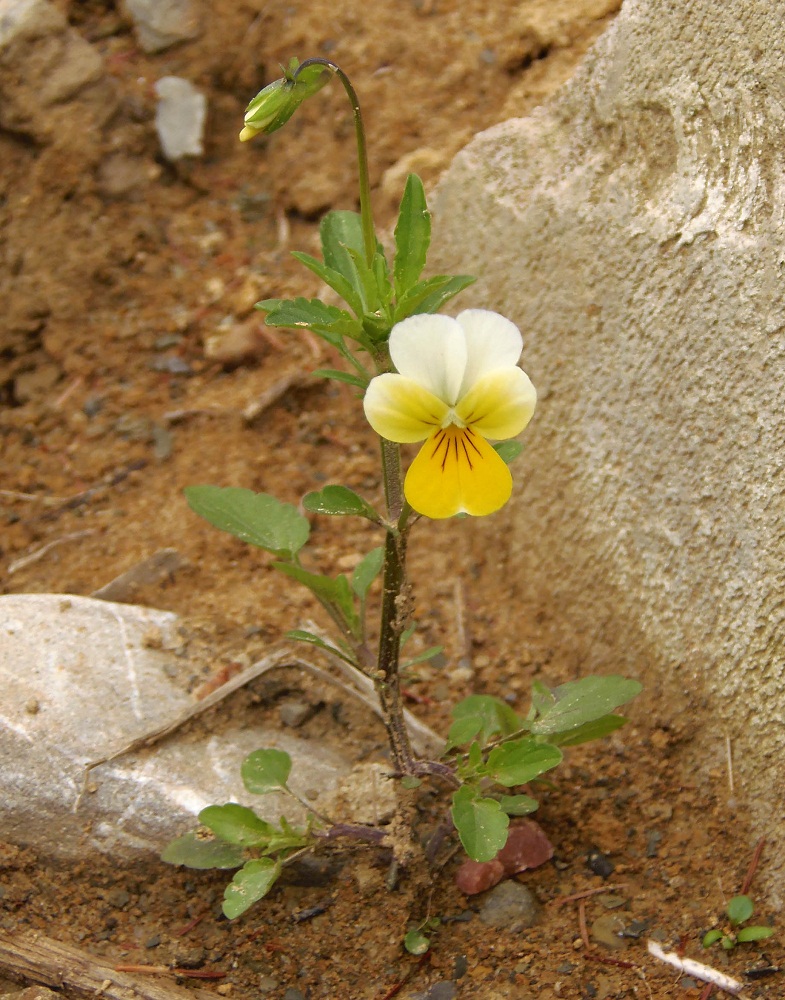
x: 451, y: 418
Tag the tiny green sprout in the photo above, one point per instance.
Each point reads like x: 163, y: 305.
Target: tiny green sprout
x: 417, y: 941
x: 738, y: 911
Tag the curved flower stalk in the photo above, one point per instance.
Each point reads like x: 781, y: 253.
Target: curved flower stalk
x: 457, y: 385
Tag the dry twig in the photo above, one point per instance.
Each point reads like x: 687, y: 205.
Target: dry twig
x: 696, y: 969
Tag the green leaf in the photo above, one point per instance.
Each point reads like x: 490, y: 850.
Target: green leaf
x: 339, y: 231
x: 753, y: 934
x: 589, y: 731
x: 300, y: 635
x: 249, y: 885
x: 266, y: 770
x: 339, y: 376
x: 366, y: 571
x: 236, y: 824
x: 428, y: 654
x: 339, y: 500
x: 309, y: 314
x: 480, y: 822
x: 416, y: 943
x: 412, y: 236
x: 333, y: 278
x: 518, y: 805
x: 520, y: 761
x: 334, y: 591
x: 200, y: 849
x: 586, y: 700
x: 508, y: 451
x: 710, y: 938
x: 253, y: 517
x: 493, y: 716
x: 430, y: 295
x: 740, y: 909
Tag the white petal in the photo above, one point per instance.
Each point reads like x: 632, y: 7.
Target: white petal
x: 431, y: 350
x: 491, y: 342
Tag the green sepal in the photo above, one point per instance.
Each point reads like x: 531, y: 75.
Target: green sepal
x: 338, y: 376
x: 256, y: 518
x: 508, y: 451
x: 334, y: 591
x: 586, y: 700
x: 518, y: 805
x: 430, y: 295
x: 366, y: 571
x: 481, y: 824
x: 266, y: 770
x: 339, y: 501
x: 199, y: 849
x: 249, y: 885
x: 236, y: 824
x: 520, y: 761
x: 412, y: 236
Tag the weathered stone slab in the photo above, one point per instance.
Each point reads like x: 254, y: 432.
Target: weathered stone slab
x: 179, y: 117
x: 162, y: 23
x: 81, y: 678
x: 633, y: 228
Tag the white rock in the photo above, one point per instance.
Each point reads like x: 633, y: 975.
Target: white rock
x: 161, y: 23
x: 81, y: 678
x: 180, y: 117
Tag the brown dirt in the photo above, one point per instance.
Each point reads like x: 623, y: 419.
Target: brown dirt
x: 116, y: 288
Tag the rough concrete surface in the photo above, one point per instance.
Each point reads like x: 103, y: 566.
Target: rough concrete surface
x: 633, y: 228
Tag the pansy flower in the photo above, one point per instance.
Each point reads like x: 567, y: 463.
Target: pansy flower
x: 457, y: 384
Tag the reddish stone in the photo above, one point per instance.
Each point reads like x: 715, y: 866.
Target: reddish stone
x: 526, y: 847
x: 477, y: 876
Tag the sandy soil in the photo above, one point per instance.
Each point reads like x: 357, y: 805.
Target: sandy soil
x: 121, y: 273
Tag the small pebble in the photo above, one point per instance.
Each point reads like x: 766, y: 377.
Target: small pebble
x: 153, y: 942
x: 607, y: 930
x: 600, y: 864
x: 511, y: 905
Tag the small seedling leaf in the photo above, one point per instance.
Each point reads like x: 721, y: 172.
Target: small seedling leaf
x: 200, y: 849
x: 250, y: 884
x: 253, y: 517
x: 711, y: 938
x: 416, y: 943
x: 518, y: 805
x: 740, y: 909
x: 339, y: 500
x: 754, y: 934
x: 412, y: 236
x: 586, y: 700
x: 508, y: 451
x: 236, y: 824
x: 366, y: 571
x: 520, y: 761
x: 480, y: 822
x: 491, y: 716
x: 266, y: 770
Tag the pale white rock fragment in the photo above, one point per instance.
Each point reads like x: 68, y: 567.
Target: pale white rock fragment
x: 179, y: 117
x: 161, y: 23
x: 81, y: 678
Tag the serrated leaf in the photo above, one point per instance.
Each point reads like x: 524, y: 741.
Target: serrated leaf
x: 249, y: 885
x: 430, y: 295
x: 480, y: 822
x: 586, y: 700
x: 520, y: 761
x: 339, y: 500
x: 508, y: 451
x: 495, y: 717
x: 753, y: 934
x: 256, y: 518
x: 335, y: 591
x: 333, y: 278
x: 236, y: 824
x: 589, y: 731
x: 518, y: 805
x: 740, y: 909
x: 339, y: 376
x: 266, y: 770
x: 366, y: 571
x: 311, y: 314
x: 416, y: 943
x: 199, y: 849
x: 412, y: 236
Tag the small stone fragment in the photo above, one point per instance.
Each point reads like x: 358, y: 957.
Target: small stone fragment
x: 512, y: 906
x: 180, y: 118
x: 240, y: 342
x: 295, y: 713
x: 477, y: 876
x: 600, y: 864
x: 607, y: 930
x: 527, y: 847
x: 161, y: 23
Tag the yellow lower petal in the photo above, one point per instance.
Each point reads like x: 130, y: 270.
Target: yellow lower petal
x: 457, y: 471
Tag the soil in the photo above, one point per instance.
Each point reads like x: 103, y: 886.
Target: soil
x: 125, y: 269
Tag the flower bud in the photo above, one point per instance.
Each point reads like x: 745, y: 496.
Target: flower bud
x: 275, y: 105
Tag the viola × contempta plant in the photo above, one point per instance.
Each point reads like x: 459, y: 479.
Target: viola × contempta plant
x: 454, y: 385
